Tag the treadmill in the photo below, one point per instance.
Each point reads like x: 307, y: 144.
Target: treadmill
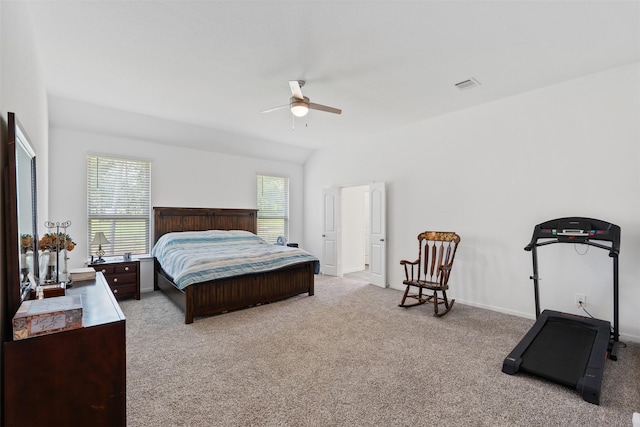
x: 566, y: 348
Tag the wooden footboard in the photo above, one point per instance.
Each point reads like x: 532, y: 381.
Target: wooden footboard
x: 220, y: 296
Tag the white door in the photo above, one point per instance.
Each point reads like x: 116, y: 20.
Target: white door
x: 377, y: 235
x: 331, y: 264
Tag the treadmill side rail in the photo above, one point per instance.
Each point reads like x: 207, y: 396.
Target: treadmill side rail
x: 512, y: 362
x: 590, y: 384
x: 511, y: 365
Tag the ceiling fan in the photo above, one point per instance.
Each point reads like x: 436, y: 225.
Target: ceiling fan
x: 299, y: 104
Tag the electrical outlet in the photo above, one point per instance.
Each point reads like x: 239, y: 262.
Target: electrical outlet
x: 581, y: 300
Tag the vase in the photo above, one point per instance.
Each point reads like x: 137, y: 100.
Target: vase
x: 51, y: 273
x: 63, y: 275
x: 24, y: 267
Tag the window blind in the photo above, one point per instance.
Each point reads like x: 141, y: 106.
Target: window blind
x: 273, y: 208
x: 118, y: 204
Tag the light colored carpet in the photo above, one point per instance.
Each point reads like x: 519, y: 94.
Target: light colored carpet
x: 349, y: 356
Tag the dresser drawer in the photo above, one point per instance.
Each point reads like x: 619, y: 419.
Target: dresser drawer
x: 126, y: 268
x: 104, y: 268
x: 130, y: 267
x: 124, y: 290
x: 116, y: 279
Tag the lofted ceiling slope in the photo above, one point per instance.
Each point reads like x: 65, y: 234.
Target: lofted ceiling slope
x: 212, y: 66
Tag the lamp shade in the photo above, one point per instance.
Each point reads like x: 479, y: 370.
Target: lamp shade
x: 99, y: 239
x: 299, y: 107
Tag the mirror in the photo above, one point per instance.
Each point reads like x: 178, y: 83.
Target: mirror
x: 21, y: 216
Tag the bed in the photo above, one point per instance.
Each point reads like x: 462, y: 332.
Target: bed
x: 230, y: 293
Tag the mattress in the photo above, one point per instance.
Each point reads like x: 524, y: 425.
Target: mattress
x: 190, y: 257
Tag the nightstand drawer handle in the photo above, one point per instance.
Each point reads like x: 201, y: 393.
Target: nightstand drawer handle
x: 115, y: 291
x: 126, y: 269
x: 115, y: 280
x: 104, y: 271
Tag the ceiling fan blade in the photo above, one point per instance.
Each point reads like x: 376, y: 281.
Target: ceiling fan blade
x: 296, y: 88
x: 314, y: 106
x: 275, y: 108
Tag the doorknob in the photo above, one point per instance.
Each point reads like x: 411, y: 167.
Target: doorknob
x: 324, y: 235
x: 382, y: 240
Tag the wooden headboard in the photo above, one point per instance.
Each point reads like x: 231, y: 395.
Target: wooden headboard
x: 166, y: 220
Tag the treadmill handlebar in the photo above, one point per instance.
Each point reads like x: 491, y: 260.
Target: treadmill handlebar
x: 577, y: 230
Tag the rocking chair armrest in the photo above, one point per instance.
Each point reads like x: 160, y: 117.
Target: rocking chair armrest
x: 445, y: 272
x: 405, y: 263
x: 446, y: 267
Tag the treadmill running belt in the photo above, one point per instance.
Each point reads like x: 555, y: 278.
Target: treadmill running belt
x: 560, y: 352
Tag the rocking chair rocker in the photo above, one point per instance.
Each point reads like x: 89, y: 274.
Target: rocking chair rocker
x: 436, y: 252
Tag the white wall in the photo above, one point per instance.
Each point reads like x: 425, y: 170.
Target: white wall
x: 22, y: 92
x: 491, y: 173
x: 22, y: 88
x: 179, y: 177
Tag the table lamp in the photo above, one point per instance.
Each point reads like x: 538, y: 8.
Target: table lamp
x: 98, y: 239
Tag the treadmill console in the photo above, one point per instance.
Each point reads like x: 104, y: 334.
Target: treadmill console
x: 577, y: 230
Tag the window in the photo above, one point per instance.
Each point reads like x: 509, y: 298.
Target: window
x: 118, y: 201
x: 273, y: 208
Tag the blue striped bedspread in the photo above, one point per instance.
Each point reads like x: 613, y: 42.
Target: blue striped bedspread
x: 198, y: 256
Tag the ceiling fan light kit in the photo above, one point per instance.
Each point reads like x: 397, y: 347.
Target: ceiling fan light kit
x: 300, y: 105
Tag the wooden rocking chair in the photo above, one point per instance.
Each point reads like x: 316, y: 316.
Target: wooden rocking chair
x: 436, y: 251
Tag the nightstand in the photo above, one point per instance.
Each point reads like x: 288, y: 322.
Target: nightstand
x: 123, y: 277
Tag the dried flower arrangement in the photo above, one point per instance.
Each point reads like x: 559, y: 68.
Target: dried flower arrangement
x: 56, y: 242
x: 26, y: 242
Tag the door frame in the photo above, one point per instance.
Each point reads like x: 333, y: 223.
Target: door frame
x: 377, y: 277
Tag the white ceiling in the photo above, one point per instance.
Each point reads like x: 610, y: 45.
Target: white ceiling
x: 217, y: 64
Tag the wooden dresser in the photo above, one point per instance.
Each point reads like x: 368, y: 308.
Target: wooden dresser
x: 123, y: 277
x: 71, y: 378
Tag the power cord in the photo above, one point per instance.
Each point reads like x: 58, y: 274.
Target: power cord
x: 575, y: 247
x: 622, y: 344
x: 585, y: 310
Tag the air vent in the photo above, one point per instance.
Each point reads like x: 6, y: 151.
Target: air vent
x: 468, y: 84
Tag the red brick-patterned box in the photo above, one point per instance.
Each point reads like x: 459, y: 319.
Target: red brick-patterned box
x: 47, y: 316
